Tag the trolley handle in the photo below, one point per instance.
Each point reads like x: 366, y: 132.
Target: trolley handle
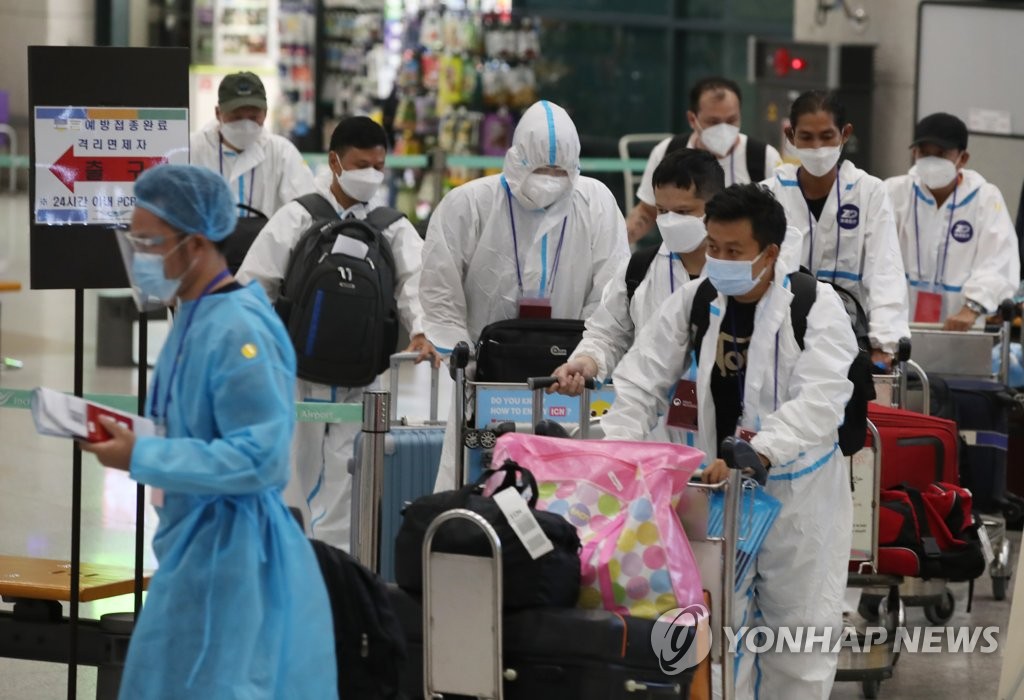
x: 536, y: 383
x: 740, y: 454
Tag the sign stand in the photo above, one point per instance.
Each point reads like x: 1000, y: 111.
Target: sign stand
x: 87, y: 146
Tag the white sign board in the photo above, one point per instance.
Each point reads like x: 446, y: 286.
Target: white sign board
x: 87, y: 159
x: 865, y: 493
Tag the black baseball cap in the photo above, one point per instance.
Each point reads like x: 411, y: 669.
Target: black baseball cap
x: 241, y: 90
x: 943, y: 130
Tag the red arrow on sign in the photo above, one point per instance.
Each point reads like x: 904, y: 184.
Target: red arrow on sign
x: 70, y: 168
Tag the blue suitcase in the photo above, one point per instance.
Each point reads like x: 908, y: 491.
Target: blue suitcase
x: 412, y: 456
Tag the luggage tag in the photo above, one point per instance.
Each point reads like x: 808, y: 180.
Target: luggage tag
x: 986, y: 546
x: 745, y: 434
x: 534, y: 307
x: 523, y: 522
x: 929, y: 308
x: 682, y: 410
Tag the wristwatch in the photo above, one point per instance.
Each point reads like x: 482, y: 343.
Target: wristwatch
x: 974, y: 306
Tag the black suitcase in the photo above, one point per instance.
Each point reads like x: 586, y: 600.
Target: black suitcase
x: 983, y: 408
x: 561, y: 654
x: 520, y: 348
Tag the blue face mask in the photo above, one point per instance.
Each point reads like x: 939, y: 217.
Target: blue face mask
x: 733, y: 278
x: 148, y: 275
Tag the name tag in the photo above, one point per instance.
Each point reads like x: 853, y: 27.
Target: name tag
x: 682, y: 409
x: 534, y: 307
x: 929, y: 308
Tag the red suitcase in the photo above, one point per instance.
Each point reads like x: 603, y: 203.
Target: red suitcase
x: 916, y: 449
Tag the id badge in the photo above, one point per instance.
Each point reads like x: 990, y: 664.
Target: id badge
x: 746, y: 434
x: 682, y: 410
x: 534, y: 307
x: 929, y: 308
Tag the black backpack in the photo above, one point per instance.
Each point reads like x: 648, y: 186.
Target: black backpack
x: 368, y: 639
x: 236, y: 246
x: 853, y: 431
x: 756, y: 153
x: 340, y: 309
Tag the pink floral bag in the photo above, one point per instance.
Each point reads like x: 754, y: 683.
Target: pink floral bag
x: 621, y: 496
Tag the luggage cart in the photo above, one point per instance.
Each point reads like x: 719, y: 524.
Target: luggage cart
x: 872, y: 667
x: 463, y: 633
x: 969, y: 355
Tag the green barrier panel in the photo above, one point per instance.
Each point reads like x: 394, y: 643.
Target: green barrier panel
x: 6, y: 160
x: 311, y: 412
x: 587, y: 165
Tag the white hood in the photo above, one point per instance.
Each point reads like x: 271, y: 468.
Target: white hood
x: 545, y: 137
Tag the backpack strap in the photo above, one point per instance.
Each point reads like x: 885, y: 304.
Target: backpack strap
x: 383, y: 218
x: 678, y: 143
x: 636, y: 270
x: 318, y: 206
x: 700, y: 314
x: 757, y: 152
x: 805, y: 291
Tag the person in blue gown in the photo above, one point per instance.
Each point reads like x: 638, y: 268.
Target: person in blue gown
x: 237, y: 607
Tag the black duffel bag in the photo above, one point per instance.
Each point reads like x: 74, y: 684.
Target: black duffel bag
x: 236, y: 246
x: 551, y: 580
x: 519, y: 348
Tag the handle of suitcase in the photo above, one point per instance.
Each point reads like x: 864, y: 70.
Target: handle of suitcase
x: 397, y: 360
x: 538, y: 384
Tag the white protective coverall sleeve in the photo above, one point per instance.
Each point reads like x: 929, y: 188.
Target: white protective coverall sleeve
x: 818, y: 387
x: 407, y: 249
x: 646, y: 375
x: 996, y: 270
x: 267, y: 259
x: 645, y: 192
x: 887, y: 304
x: 610, y: 329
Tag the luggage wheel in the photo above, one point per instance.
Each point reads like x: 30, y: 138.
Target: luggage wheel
x: 871, y: 688
x: 999, y: 586
x: 940, y: 613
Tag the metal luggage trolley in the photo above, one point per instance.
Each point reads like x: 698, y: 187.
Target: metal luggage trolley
x: 875, y: 665
x: 969, y: 355
x: 466, y: 659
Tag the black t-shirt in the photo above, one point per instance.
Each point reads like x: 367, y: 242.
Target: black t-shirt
x: 729, y: 372
x: 816, y: 206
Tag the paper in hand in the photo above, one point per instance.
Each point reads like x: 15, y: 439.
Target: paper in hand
x: 60, y: 415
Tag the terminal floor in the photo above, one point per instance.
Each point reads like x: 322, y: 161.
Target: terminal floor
x: 35, y: 488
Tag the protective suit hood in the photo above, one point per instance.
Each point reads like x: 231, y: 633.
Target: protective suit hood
x: 545, y: 137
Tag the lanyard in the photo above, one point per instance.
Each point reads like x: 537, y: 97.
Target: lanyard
x: 241, y: 182
x: 515, y: 246
x: 672, y: 271
x: 810, y: 228
x: 740, y: 361
x: 936, y: 278
x: 162, y: 415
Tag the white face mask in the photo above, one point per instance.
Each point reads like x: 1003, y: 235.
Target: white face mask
x: 682, y: 233
x: 541, y: 191
x: 819, y: 161
x: 360, y: 184
x: 241, y: 133
x: 935, y: 172
x: 720, y: 138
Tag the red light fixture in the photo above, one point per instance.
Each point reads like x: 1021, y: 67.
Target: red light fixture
x: 798, y: 64
x: 781, y: 62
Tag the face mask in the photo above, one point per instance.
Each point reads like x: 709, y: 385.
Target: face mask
x: 241, y: 133
x: 733, y: 278
x: 719, y: 138
x: 819, y: 161
x: 682, y: 233
x: 360, y: 184
x: 148, y: 275
x: 541, y: 191
x: 935, y: 172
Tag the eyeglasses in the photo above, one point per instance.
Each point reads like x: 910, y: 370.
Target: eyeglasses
x: 141, y: 242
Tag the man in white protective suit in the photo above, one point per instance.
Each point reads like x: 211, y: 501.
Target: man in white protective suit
x: 539, y: 232
x: 263, y: 170
x: 959, y: 245
x: 755, y: 381
x: 321, y: 486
